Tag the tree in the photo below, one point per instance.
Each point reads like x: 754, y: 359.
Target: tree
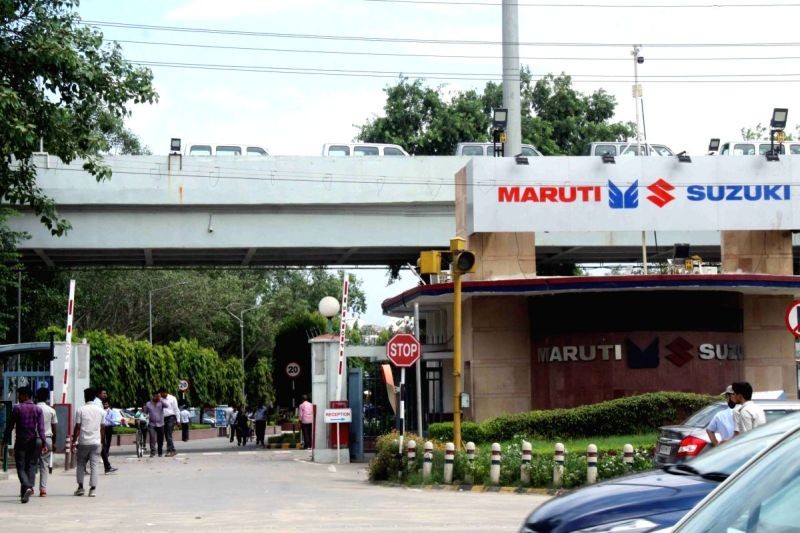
x: 556, y: 118
x: 9, y: 264
x: 759, y: 132
x: 61, y: 84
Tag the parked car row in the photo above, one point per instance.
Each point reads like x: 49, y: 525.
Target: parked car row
x: 751, y: 482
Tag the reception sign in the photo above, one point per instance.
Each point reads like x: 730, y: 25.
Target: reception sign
x: 634, y: 193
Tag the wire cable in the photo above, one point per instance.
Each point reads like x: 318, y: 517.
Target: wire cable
x: 480, y: 3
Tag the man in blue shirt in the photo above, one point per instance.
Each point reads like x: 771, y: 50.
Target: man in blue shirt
x: 28, y: 420
x: 722, y: 426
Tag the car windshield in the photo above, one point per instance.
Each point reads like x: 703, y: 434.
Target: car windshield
x: 702, y: 417
x: 725, y: 459
x: 763, y: 498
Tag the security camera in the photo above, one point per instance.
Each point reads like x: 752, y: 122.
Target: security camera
x: 640, y: 59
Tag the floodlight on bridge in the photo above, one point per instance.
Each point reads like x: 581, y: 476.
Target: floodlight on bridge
x: 521, y: 159
x: 713, y: 145
x: 500, y: 119
x: 175, y: 145
x: 683, y: 157
x: 779, y: 115
x: 608, y: 158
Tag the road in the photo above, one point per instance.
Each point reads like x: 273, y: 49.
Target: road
x: 212, y: 485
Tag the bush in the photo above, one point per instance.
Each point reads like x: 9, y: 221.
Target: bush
x: 631, y: 415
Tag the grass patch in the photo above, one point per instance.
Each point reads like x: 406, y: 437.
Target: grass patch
x: 284, y: 438
x: 642, y: 441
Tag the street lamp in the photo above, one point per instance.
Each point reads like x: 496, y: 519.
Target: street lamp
x: 150, y: 306
x: 329, y: 307
x: 776, y: 127
x: 241, y: 340
x: 499, y: 122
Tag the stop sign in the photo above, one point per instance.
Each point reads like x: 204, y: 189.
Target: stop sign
x: 403, y: 349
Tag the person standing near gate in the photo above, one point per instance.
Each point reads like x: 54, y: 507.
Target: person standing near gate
x: 110, y: 419
x: 28, y: 420
x: 171, y: 412
x: 185, y: 420
x: 88, y: 437
x: 50, y: 423
x: 306, y: 415
x: 155, y: 426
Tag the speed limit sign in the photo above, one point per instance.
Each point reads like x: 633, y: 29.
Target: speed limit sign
x: 293, y: 370
x: 183, y: 385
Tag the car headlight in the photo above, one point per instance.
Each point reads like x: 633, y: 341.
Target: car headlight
x: 635, y: 525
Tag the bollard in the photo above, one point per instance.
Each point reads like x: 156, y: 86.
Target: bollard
x: 427, y: 465
x: 591, y: 464
x: 627, y: 456
x: 525, y: 467
x: 494, y: 470
x: 449, y: 455
x: 412, y: 455
x: 468, y: 477
x: 558, y: 469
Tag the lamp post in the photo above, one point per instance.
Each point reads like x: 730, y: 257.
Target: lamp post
x: 329, y: 308
x: 241, y: 340
x: 150, y: 306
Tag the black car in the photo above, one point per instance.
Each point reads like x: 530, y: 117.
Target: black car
x: 655, y: 499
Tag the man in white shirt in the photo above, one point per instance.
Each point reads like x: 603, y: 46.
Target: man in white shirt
x: 723, y: 425
x: 88, y: 437
x: 50, y: 422
x: 111, y: 418
x: 171, y: 412
x: 185, y: 420
x: 749, y: 416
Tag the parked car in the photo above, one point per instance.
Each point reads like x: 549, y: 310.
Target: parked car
x: 626, y: 148
x: 362, y: 149
x: 755, y: 148
x: 655, y: 499
x: 481, y: 149
x: 676, y: 444
x: 225, y: 150
x: 763, y: 496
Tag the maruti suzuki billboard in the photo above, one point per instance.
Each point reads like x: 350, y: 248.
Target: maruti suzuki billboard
x: 634, y: 193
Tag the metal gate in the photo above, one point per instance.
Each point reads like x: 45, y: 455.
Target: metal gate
x: 379, y: 418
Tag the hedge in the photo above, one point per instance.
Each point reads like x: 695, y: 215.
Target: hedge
x: 623, y: 416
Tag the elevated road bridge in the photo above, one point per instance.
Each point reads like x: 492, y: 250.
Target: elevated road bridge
x: 172, y: 211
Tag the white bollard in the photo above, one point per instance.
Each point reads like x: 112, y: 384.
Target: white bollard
x: 412, y: 455
x: 525, y: 467
x: 427, y: 465
x: 449, y: 457
x: 468, y: 478
x: 591, y: 464
x: 494, y: 470
x: 558, y: 468
x: 627, y: 455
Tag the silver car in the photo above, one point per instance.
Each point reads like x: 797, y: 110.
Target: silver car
x: 681, y: 442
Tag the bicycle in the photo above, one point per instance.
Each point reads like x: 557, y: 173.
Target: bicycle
x: 141, y: 434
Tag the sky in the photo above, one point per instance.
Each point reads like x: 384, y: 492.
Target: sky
x: 312, y: 71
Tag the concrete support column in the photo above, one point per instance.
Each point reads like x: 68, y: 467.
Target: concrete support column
x: 769, y: 350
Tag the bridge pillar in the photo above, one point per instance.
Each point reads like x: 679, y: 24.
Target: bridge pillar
x: 769, y: 350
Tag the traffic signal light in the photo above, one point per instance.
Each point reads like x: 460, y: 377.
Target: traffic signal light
x: 463, y: 259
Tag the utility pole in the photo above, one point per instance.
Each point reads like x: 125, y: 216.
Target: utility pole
x: 637, y: 94
x: 511, y: 79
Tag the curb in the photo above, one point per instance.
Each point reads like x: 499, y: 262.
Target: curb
x: 283, y: 446
x: 476, y: 488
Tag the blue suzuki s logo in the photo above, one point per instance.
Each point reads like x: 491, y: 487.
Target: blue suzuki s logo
x: 619, y: 200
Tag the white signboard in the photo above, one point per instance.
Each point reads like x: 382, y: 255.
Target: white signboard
x: 338, y: 416
x: 635, y: 193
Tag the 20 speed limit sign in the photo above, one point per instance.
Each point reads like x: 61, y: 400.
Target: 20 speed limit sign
x: 293, y: 370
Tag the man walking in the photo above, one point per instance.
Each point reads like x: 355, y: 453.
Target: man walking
x: 171, y: 412
x: 186, y: 418
x: 155, y: 427
x: 260, y: 417
x: 28, y: 420
x: 749, y: 416
x: 306, y: 415
x: 88, y: 437
x: 110, y: 419
x: 50, y: 426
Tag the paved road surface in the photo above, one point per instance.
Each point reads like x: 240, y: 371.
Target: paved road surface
x: 213, y: 486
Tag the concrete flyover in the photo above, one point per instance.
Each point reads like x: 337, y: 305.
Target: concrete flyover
x: 166, y: 211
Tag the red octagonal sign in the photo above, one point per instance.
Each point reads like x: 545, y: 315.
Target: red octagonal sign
x: 403, y: 349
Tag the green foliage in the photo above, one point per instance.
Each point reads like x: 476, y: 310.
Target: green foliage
x: 634, y: 414
x: 61, y: 84
x: 260, y: 389
x: 760, y: 132
x: 556, y: 118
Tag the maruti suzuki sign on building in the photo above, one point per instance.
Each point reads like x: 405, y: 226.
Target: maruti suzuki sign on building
x: 635, y: 193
